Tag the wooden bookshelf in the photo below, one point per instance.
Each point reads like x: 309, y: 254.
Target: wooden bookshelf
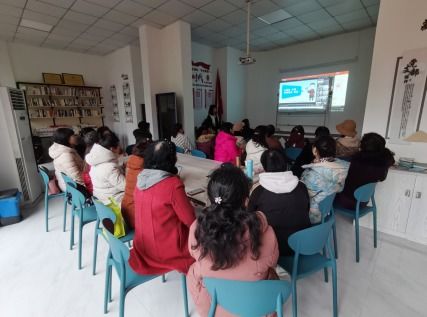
x: 79, y: 105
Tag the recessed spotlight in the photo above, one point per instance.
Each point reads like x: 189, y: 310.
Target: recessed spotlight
x: 39, y: 26
x: 275, y: 17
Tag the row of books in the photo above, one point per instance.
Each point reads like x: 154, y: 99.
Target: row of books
x: 64, y: 113
x: 63, y: 91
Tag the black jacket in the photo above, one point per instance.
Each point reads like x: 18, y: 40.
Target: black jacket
x: 208, y: 122
x: 287, y: 213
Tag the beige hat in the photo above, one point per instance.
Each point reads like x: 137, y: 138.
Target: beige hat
x: 238, y: 126
x: 347, y: 128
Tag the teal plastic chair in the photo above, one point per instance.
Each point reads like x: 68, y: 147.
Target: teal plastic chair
x: 105, y: 212
x: 292, y: 153
x: 67, y: 180
x: 44, y: 174
x: 249, y: 299
x: 180, y: 150
x: 86, y: 214
x: 198, y: 153
x: 327, y: 210
x: 363, y: 194
x: 118, y: 258
x: 308, y: 245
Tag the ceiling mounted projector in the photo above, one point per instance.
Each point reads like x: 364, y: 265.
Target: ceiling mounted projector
x: 247, y: 60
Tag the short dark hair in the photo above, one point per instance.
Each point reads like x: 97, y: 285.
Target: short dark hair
x: 270, y: 130
x: 109, y: 141
x: 176, y: 129
x: 86, y: 130
x: 246, y: 122
x: 226, y: 127
x: 326, y: 146
x: 141, y: 134
x: 298, y: 129
x: 211, y: 108
x: 259, y: 136
x: 273, y: 161
x: 144, y: 125
x: 161, y: 155
x: 90, y: 138
x: 103, y: 131
x: 226, y: 223
x: 372, y: 142
x: 62, y: 136
x: 140, y: 147
x: 322, y: 131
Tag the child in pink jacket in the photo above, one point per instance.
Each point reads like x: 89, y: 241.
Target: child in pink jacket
x: 218, y: 249
x: 226, y: 149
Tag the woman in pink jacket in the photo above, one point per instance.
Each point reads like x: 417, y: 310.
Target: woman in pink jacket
x: 227, y: 241
x: 226, y: 149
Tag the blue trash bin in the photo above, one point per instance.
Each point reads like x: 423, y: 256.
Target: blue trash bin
x: 10, y: 212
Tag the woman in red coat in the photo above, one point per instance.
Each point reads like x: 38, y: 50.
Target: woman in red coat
x: 163, y: 215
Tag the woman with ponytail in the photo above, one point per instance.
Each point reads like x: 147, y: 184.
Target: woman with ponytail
x: 226, y: 240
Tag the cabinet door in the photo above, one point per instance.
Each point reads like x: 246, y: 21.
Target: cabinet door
x: 393, y: 198
x: 417, y: 223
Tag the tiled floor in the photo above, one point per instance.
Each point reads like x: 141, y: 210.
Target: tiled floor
x: 39, y: 277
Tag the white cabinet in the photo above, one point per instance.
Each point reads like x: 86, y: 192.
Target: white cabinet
x: 401, y: 206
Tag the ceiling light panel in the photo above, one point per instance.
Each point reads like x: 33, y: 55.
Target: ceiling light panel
x: 35, y: 25
x: 275, y: 17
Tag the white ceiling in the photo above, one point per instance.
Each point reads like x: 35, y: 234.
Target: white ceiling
x: 102, y: 26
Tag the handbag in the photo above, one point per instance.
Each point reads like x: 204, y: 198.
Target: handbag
x: 119, y: 224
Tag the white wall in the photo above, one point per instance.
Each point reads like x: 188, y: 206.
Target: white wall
x: 398, y: 30
x: 7, y: 77
x: 351, y: 51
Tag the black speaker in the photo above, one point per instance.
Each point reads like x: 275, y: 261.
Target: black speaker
x: 167, y: 115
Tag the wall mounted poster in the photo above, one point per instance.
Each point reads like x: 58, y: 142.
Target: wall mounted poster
x: 408, y: 95
x: 202, y: 85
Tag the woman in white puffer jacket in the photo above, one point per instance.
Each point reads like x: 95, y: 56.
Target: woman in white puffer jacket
x: 65, y: 159
x: 107, y: 177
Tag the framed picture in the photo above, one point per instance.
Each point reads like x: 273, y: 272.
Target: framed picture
x: 73, y: 79
x: 50, y: 78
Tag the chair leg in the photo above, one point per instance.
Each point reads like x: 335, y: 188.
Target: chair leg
x: 334, y: 232
x: 122, y: 299
x: 374, y: 214
x: 80, y: 243
x: 294, y: 298
x: 334, y: 290
x: 95, y: 247
x: 65, y: 213
x: 279, y: 306
x: 325, y: 270
x: 107, y: 287
x: 163, y: 278
x: 46, y: 211
x: 356, y: 225
x: 72, y: 231
x: 184, y: 293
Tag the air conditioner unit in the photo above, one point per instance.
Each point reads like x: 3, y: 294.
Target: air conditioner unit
x: 18, y: 168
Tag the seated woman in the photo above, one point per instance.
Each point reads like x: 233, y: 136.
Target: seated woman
x: 134, y: 166
x: 282, y: 198
x: 180, y: 139
x: 325, y: 176
x: 256, y: 146
x: 296, y: 138
x: 90, y: 138
x: 348, y: 144
x: 163, y: 215
x: 370, y: 165
x: 226, y: 149
x: 227, y: 241
x: 106, y: 175
x: 272, y: 142
x: 66, y: 159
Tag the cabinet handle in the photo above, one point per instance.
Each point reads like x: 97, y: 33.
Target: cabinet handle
x: 418, y: 195
x: 408, y: 193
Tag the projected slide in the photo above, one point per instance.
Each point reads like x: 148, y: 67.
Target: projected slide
x: 340, y: 91
x: 303, y: 91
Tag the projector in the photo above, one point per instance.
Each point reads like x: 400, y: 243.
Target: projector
x: 247, y: 60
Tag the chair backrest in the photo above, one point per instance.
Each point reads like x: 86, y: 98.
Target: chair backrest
x: 311, y: 240
x: 68, y: 181
x: 77, y: 197
x: 325, y: 206
x: 249, y: 299
x: 180, y: 150
x: 365, y: 193
x: 292, y: 153
x: 119, y: 251
x: 104, y: 212
x: 44, y: 173
x: 198, y: 153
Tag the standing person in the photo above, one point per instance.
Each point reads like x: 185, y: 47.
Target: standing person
x: 370, y: 165
x: 212, y: 121
x: 272, y: 142
x: 348, y: 144
x: 106, y: 175
x: 325, y: 176
x: 306, y: 156
x: 66, y: 159
x: 134, y: 166
x: 90, y: 138
x: 247, y: 132
x: 163, y: 215
x: 256, y: 146
x: 226, y: 149
x: 180, y: 139
x: 227, y: 241
x: 283, y: 199
x: 296, y: 138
